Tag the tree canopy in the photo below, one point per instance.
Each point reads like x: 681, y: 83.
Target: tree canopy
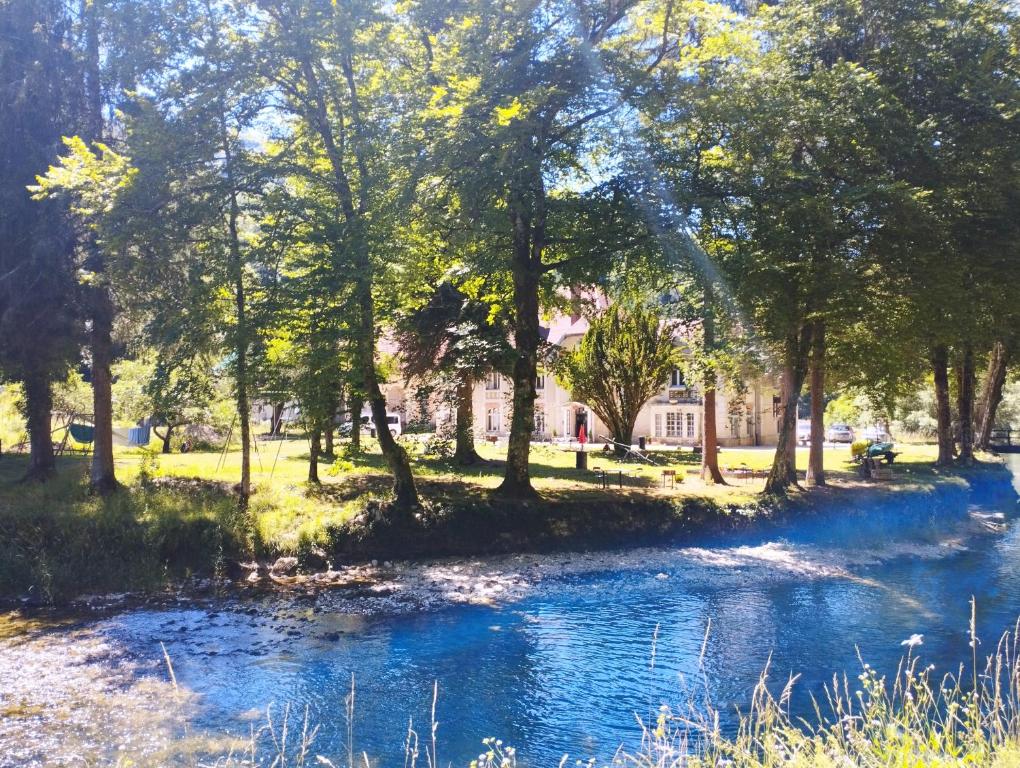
x: 824, y: 189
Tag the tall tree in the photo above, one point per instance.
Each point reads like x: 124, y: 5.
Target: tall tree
x: 520, y: 97
x: 991, y: 393
x: 323, y: 67
x: 173, y: 208
x: 41, y: 101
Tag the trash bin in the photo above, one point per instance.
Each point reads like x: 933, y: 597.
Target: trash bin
x: 641, y: 442
x: 582, y: 460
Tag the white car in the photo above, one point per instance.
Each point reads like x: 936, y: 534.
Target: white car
x: 803, y: 431
x: 839, y: 433
x: 877, y: 434
x: 393, y: 420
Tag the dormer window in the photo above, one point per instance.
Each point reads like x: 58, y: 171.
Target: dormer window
x: 492, y: 383
x: 676, y: 379
x: 540, y: 382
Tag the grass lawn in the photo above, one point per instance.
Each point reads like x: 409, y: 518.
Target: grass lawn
x: 287, y: 508
x: 177, y: 516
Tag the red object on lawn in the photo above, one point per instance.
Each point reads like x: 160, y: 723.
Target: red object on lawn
x: 582, y: 435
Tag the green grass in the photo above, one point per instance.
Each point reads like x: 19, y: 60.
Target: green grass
x: 57, y: 540
x: 177, y: 515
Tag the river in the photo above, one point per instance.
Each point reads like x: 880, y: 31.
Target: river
x: 553, y: 654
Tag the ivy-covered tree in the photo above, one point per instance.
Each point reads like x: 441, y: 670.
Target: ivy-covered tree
x: 40, y: 101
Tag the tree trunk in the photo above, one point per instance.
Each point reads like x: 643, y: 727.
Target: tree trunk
x: 710, y: 471
x: 241, y: 321
x: 943, y: 412
x: 102, y: 477
x: 816, y: 455
x: 623, y: 436
x: 784, y: 467
x: 464, y: 437
x: 965, y: 402
x: 356, y: 404
x: 404, y: 491
x: 620, y: 424
x: 328, y: 434
x: 991, y: 395
x: 313, y: 455
x: 517, y: 479
x: 38, y: 406
x: 165, y: 437
x: 241, y: 361
x: 102, y: 474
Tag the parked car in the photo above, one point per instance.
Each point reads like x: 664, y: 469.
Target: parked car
x: 876, y: 434
x: 839, y: 433
x: 803, y: 431
x: 392, y: 419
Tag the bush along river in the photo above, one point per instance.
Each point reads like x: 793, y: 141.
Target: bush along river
x: 551, y: 653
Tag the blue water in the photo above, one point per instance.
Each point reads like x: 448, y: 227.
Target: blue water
x: 566, y: 668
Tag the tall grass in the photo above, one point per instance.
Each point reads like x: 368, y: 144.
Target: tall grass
x: 57, y: 540
x: 915, y: 719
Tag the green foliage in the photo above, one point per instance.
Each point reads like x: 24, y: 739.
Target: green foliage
x: 73, y: 394
x: 439, y: 446
x: 272, y: 187
x: 39, y: 297
x: 623, y: 360
x: 59, y: 541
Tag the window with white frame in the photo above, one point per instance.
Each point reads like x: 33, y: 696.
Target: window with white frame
x: 690, y: 425
x: 676, y: 379
x: 657, y: 431
x: 493, y: 422
x: 492, y: 383
x: 674, y: 424
x: 540, y: 382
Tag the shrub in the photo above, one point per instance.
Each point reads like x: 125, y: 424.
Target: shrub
x: 340, y: 466
x: 438, y: 446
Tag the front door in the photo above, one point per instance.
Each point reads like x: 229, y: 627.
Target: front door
x: 580, y: 420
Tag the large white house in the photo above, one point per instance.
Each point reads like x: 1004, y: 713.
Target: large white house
x: 673, y: 417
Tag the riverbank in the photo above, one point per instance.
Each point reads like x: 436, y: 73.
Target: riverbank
x: 549, y: 651
x: 167, y: 533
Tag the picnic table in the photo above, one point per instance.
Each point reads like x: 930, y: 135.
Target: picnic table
x: 603, y: 475
x: 745, y: 472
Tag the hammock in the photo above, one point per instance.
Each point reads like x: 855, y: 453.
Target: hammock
x: 82, y: 433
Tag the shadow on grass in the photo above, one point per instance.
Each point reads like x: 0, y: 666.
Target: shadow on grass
x: 58, y: 540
